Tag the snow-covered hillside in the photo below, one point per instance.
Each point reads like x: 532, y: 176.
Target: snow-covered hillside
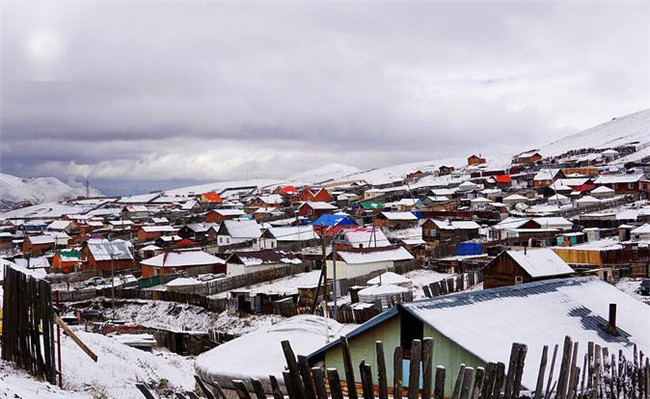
x: 620, y: 131
x: 37, y: 190
x: 333, y: 171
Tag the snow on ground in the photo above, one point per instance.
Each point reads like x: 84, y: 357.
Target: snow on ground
x: 421, y: 277
x: 16, y: 384
x: 284, y: 286
x: 39, y: 189
x: 630, y: 286
x: 176, y: 317
x: 120, y: 367
x: 335, y: 171
x: 620, y: 131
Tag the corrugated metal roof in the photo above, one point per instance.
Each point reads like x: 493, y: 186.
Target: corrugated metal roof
x: 107, y: 250
x: 242, y: 228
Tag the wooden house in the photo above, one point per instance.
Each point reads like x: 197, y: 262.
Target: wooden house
x: 528, y: 157
x: 189, y: 262
x: 546, y: 177
x: 355, y: 262
x: 475, y: 160
x: 220, y: 215
x: 621, y: 184
x: 134, y: 211
x: 396, y: 220
x: 38, y: 245
x: 243, y: 262
x: 66, y: 261
x: 477, y: 327
x: 445, y: 170
x: 104, y: 255
x: 153, y: 232
x: 233, y: 232
x: 210, y: 200
x: 518, y: 267
x: 313, y: 210
x: 64, y: 226
x: 289, y: 238
x: 450, y: 232
x: 310, y: 194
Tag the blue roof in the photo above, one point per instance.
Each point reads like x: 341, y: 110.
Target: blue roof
x: 328, y: 220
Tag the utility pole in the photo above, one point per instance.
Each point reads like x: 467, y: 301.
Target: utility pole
x: 323, y: 273
x: 112, y: 281
x: 334, y: 290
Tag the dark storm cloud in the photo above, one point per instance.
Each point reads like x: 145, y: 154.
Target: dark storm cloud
x: 227, y: 90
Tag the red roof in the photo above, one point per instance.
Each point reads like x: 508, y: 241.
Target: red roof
x: 185, y: 242
x: 503, y: 179
x: 289, y: 190
x: 584, y: 187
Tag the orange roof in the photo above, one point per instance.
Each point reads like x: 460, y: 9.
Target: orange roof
x: 503, y: 179
x: 211, y: 197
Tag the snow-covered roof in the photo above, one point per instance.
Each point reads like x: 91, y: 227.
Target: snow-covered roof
x: 537, y: 314
x: 42, y: 239
x: 553, y: 221
x: 611, y: 179
x: 321, y: 206
x: 587, y: 199
x: 644, y: 229
x: 150, y: 247
x: 399, y: 215
x: 103, y: 250
x: 259, y: 354
x: 360, y: 257
x: 183, y: 259
x: 293, y: 233
x: 375, y: 291
x: 541, y: 262
x: 480, y: 200
x: 183, y: 282
x: 158, y: 229
x: 229, y: 212
x: 602, y: 190
x: 546, y: 174
x: 515, y: 197
x: 365, y: 237
x: 59, y: 225
x: 389, y: 278
x: 243, y: 228
x: 455, y: 224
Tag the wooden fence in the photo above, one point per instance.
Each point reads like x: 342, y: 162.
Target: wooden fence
x: 603, y: 375
x: 190, y: 295
x: 27, y: 311
x: 453, y: 284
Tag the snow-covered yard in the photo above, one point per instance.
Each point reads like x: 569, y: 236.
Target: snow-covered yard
x: 631, y: 285
x: 177, y: 317
x: 118, y: 369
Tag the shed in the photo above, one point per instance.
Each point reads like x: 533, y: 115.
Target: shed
x: 517, y: 267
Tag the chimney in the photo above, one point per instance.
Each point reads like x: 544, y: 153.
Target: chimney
x: 611, y: 327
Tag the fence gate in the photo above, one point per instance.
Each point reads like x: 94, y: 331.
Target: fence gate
x: 27, y: 313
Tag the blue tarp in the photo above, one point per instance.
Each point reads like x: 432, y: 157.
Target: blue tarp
x: 328, y: 220
x: 469, y: 248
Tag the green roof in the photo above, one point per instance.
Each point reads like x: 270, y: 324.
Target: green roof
x: 372, y: 205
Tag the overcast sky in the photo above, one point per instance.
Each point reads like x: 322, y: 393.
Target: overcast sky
x: 212, y: 90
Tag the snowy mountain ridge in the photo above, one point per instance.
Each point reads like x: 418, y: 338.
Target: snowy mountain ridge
x: 37, y: 190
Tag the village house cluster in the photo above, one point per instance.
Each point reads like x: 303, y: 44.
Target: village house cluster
x: 528, y: 231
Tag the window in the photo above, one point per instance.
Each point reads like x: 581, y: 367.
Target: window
x: 630, y: 185
x: 519, y: 280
